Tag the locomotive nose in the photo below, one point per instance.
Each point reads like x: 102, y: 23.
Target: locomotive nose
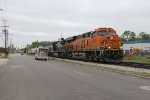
x: 111, y: 37
x: 112, y: 42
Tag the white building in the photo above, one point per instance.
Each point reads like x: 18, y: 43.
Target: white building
x: 143, y: 45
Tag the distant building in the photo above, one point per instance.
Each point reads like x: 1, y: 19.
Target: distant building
x: 32, y: 51
x: 1, y: 50
x: 143, y: 45
x: 12, y: 49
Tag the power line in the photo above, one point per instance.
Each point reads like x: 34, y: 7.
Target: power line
x: 6, y: 5
x: 3, y: 7
x: 2, y: 13
x: 2, y: 38
x: 3, y: 4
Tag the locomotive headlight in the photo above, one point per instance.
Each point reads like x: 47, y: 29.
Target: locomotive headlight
x: 111, y: 38
x: 121, y: 47
x: 108, y: 47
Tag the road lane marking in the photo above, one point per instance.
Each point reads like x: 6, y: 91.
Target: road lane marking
x: 82, y: 73
x: 145, y: 88
x: 4, y: 60
x: 16, y: 66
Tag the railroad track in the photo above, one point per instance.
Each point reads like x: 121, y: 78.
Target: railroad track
x: 134, y: 65
x: 125, y: 64
x: 128, y: 64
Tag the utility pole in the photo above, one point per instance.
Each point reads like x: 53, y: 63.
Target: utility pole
x: 5, y: 31
x: 1, y: 9
x: 2, y: 12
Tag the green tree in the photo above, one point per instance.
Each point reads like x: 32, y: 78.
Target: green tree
x: 129, y: 36
x: 37, y: 44
x: 125, y: 35
x: 6, y: 51
x: 132, y: 36
x: 144, y: 36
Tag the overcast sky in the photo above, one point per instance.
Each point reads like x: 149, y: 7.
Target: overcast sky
x: 45, y: 20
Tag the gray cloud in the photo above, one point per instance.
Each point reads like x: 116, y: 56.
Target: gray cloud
x: 32, y: 20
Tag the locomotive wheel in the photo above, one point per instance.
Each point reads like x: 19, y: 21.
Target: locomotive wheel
x: 92, y: 59
x: 103, y: 60
x: 97, y: 59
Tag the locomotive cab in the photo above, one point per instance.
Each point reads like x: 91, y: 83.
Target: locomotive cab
x: 110, y: 45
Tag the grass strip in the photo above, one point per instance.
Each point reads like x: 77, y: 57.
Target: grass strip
x: 145, y: 60
x: 3, y: 57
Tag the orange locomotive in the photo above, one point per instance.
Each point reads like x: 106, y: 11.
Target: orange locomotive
x: 101, y: 44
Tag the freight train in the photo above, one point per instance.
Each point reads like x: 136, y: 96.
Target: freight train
x: 102, y: 44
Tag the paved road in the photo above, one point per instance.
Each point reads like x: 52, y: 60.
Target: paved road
x: 3, y: 62
x: 27, y: 79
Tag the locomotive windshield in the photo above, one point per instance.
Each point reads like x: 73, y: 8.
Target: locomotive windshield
x: 106, y: 33
x: 112, y: 33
